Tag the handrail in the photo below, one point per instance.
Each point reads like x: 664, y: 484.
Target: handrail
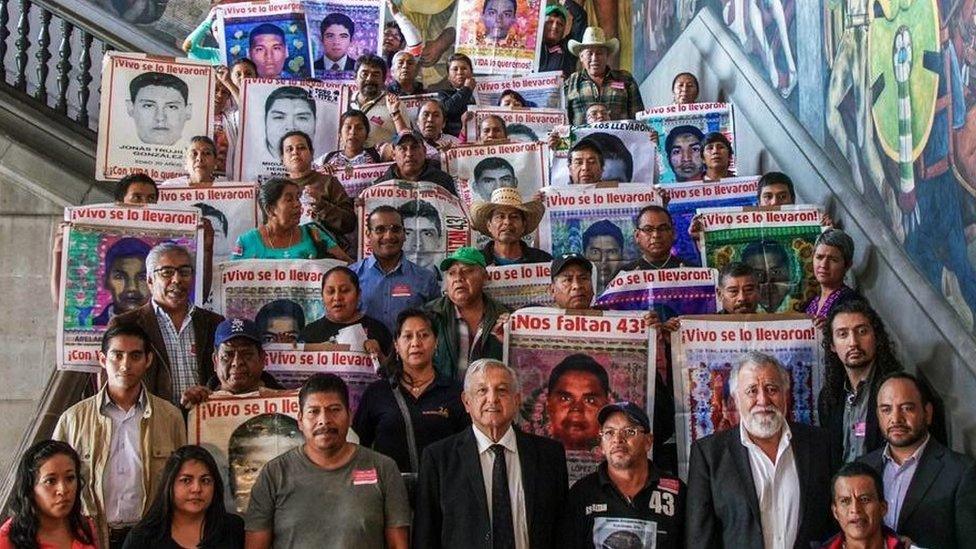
x: 107, y: 27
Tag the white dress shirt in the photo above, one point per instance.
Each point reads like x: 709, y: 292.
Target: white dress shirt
x: 777, y: 488
x: 514, y: 469
x: 123, y: 491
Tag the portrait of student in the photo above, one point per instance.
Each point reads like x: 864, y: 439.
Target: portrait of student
x: 287, y: 109
x: 336, y: 31
x: 267, y: 48
x: 498, y: 16
x: 159, y: 106
x: 618, y: 163
x: 422, y: 227
x: 772, y: 263
x: 124, y: 278
x: 578, y: 388
x: 520, y: 133
x: 280, y: 321
x: 254, y: 443
x: 490, y: 174
x: 219, y: 223
x: 683, y: 147
x: 603, y: 244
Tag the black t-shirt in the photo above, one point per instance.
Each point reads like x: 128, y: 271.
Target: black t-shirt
x: 437, y: 414
x: 323, y: 330
x: 598, y: 515
x: 229, y: 536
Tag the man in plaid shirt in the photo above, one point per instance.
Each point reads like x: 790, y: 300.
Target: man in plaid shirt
x: 597, y: 82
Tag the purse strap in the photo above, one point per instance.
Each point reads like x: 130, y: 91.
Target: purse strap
x: 405, y: 412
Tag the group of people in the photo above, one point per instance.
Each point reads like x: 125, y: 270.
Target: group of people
x: 432, y: 456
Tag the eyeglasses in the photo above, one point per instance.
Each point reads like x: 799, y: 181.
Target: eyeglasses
x: 627, y: 432
x: 185, y: 271
x: 383, y: 229
x: 647, y: 229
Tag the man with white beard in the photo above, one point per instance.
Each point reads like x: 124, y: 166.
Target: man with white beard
x: 766, y: 483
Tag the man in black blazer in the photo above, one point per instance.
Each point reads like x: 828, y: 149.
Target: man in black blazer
x: 930, y: 490
x: 458, y: 504
x: 793, y: 462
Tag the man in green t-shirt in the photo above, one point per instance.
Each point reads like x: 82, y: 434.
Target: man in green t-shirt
x: 328, y: 492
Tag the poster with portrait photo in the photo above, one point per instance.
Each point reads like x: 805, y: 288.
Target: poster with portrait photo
x: 242, y: 433
x: 681, y: 130
x: 500, y: 36
x: 272, y: 108
x: 231, y: 208
x: 688, y: 198
x: 103, y: 270
x: 624, y: 532
x: 521, y: 124
x: 588, y: 361
x: 434, y: 220
x: 629, y: 154
x: 705, y: 348
x: 596, y: 221
x: 340, y: 31
x: 776, y: 241
x: 281, y: 296
x: 410, y: 105
x: 150, y: 108
x: 272, y: 34
x: 539, y: 89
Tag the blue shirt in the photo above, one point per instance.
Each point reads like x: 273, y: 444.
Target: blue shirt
x: 385, y: 295
x: 896, y: 480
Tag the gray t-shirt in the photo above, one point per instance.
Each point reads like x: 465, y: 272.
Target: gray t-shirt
x: 307, y: 506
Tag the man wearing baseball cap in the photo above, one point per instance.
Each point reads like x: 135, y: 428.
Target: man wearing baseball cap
x: 627, y: 501
x: 238, y: 363
x: 572, y: 281
x: 507, y: 219
x: 554, y: 54
x: 410, y: 162
x: 466, y: 318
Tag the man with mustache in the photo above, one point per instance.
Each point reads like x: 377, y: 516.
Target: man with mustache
x: 180, y: 334
x: 738, y: 289
x: 930, y: 490
x: 766, y: 482
x: 507, y: 219
x: 362, y: 489
x: 578, y: 388
x: 596, y: 82
x: 386, y: 117
x: 858, y: 503
x: 627, y: 488
x: 125, y: 434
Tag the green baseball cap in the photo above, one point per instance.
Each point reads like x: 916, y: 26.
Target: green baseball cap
x: 556, y: 9
x: 466, y: 255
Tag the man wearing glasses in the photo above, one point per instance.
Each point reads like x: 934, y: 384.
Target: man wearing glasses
x: 654, y: 234
x: 180, y: 334
x: 389, y: 282
x: 627, y: 501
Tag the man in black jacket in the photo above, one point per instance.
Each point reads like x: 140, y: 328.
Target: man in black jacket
x: 411, y: 163
x: 492, y: 485
x: 554, y: 54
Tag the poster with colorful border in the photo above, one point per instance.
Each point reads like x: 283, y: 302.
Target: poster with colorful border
x: 681, y: 130
x: 271, y: 33
x: 500, y: 36
x: 686, y: 199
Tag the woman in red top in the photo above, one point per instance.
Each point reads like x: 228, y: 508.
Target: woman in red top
x: 46, y: 510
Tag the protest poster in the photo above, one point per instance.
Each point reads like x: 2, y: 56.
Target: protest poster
x: 232, y: 209
x: 522, y: 285
x: 681, y: 130
x: 688, y: 198
x: 539, y: 89
x: 291, y: 365
x: 596, y: 221
x: 355, y: 179
x: 242, y: 433
x: 433, y: 219
x: 705, y: 348
x: 480, y: 169
x: 103, y: 270
x: 777, y: 242
x: 628, y: 152
x: 668, y: 292
x: 272, y: 34
x: 339, y: 31
x: 523, y: 125
x: 581, y: 355
x: 272, y: 108
x: 280, y: 295
x: 500, y: 36
x: 150, y: 108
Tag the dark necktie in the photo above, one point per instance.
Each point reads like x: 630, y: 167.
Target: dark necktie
x: 502, y: 529
x: 335, y: 66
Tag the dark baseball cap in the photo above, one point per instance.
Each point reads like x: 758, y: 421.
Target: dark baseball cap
x: 236, y: 327
x: 566, y: 260
x: 399, y: 138
x: 631, y: 410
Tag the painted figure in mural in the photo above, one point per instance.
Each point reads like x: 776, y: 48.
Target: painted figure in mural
x: 747, y: 19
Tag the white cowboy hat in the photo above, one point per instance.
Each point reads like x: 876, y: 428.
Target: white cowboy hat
x: 594, y: 37
x: 481, y: 212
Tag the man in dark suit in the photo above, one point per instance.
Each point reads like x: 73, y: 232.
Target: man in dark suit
x: 459, y: 503
x: 930, y: 490
x: 181, y: 336
x: 765, y: 483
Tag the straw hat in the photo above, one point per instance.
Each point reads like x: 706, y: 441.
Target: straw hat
x: 594, y: 37
x: 481, y: 212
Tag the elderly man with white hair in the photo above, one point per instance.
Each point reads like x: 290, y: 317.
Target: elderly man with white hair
x: 491, y: 485
x: 766, y: 483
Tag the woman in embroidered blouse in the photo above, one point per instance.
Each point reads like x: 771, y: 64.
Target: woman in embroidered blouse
x: 833, y: 256
x: 281, y: 237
